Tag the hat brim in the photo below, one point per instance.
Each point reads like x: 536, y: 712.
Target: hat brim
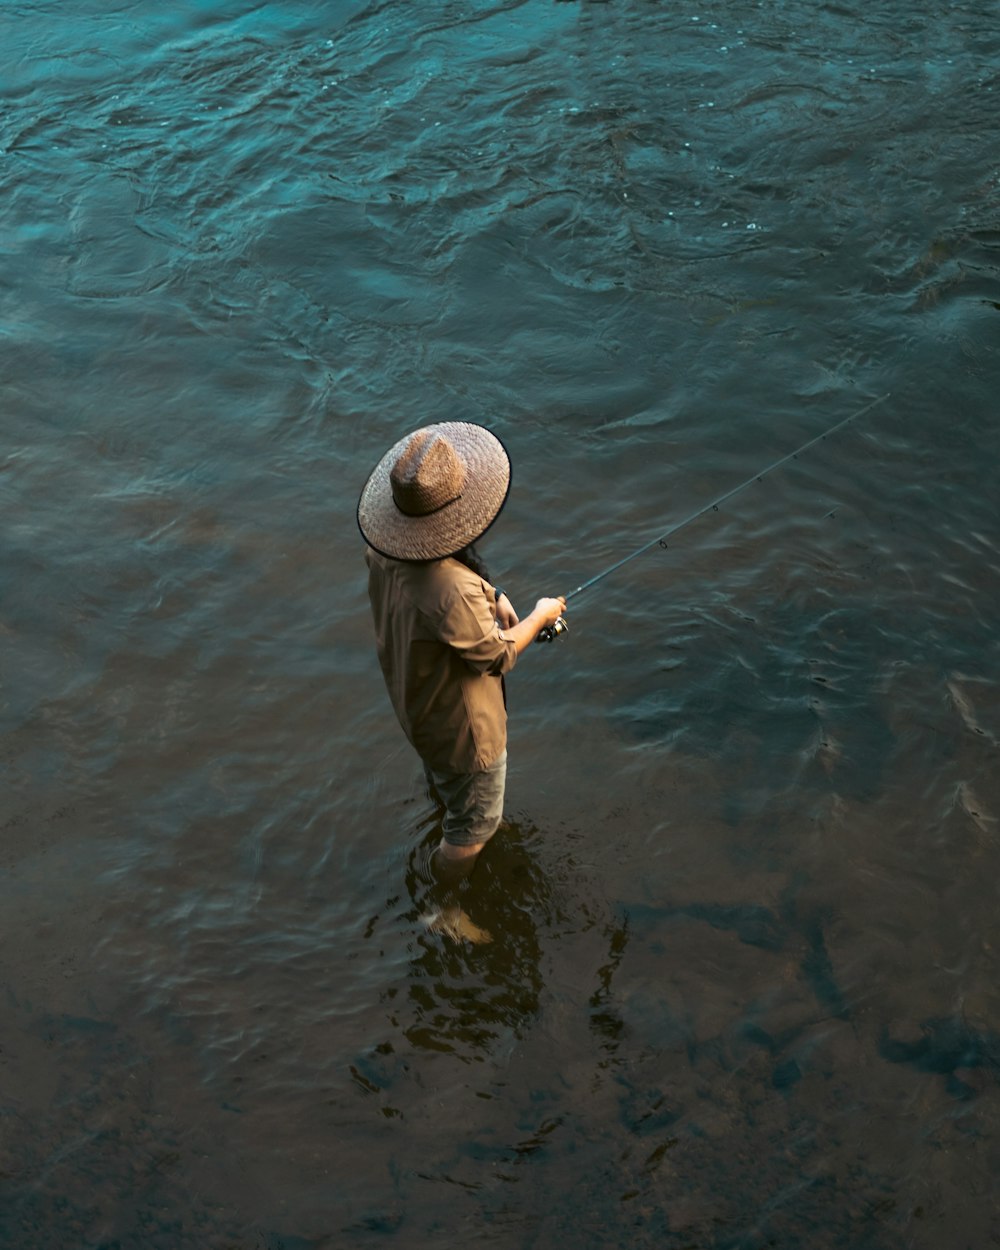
x: 487, y: 483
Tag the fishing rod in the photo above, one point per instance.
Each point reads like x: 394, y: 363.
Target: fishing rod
x: 551, y: 632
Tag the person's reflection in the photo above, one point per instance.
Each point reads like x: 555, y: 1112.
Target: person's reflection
x: 476, y: 976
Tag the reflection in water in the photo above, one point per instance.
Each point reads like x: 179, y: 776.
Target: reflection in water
x: 605, y: 1021
x: 471, y: 997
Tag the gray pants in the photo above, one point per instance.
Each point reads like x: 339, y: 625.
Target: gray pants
x: 473, y: 802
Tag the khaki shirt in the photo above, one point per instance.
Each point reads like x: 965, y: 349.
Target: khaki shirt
x: 442, y: 655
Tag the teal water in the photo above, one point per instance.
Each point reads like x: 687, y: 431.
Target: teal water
x: 742, y: 990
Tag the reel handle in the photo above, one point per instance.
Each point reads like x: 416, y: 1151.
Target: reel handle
x: 551, y: 632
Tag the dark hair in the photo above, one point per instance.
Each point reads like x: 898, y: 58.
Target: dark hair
x: 471, y: 558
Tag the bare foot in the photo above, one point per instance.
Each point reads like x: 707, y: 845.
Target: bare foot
x: 451, y: 921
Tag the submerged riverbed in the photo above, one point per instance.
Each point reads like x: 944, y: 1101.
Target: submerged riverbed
x: 742, y: 988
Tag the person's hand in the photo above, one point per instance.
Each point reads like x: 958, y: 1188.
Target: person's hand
x: 545, y: 612
x: 507, y: 618
x: 549, y: 610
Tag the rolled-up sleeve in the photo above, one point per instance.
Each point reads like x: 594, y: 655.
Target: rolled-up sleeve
x: 469, y: 628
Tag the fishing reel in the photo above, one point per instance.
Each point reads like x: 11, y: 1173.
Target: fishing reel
x: 551, y: 632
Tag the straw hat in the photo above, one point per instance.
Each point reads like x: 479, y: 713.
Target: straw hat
x: 435, y: 491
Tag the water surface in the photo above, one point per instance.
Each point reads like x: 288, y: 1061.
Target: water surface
x: 742, y: 988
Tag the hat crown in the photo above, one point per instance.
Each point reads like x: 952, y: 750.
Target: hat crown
x: 427, y: 475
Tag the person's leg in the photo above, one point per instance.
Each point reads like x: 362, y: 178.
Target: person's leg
x: 473, y: 805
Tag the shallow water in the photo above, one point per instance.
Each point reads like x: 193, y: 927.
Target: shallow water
x: 743, y: 985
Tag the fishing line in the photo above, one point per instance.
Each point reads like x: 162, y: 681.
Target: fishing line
x: 553, y: 631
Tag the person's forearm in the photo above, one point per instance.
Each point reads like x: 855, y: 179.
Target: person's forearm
x: 524, y: 633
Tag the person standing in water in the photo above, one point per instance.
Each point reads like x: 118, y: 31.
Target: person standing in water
x: 445, y: 635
